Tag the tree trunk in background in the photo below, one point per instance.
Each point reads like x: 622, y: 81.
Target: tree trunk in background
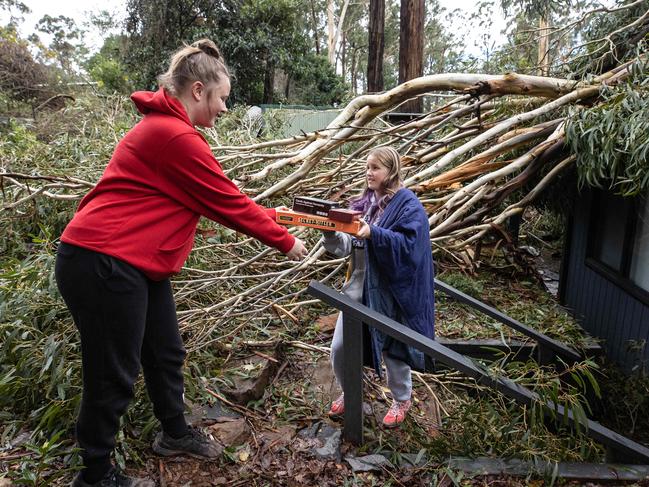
x: 353, y: 68
x: 376, y: 46
x: 331, y: 47
x: 543, y: 55
x: 315, y: 29
x: 269, y: 82
x: 333, y: 31
x: 343, y: 55
x: 411, y: 47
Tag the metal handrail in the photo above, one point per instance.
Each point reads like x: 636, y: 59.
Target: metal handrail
x: 544, y: 342
x: 355, y: 314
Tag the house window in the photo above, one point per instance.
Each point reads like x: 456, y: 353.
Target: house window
x: 608, y: 229
x: 618, y: 242
x: 639, y: 271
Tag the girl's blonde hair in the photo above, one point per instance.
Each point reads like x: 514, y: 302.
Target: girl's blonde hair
x: 389, y: 158
x: 202, y: 61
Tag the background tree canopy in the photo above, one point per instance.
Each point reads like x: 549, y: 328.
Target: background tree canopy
x: 257, y: 37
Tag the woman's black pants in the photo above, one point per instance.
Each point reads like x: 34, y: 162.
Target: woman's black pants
x: 124, y: 319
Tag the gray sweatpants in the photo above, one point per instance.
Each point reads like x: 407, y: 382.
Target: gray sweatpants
x: 398, y: 372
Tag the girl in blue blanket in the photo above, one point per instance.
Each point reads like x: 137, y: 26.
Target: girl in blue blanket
x: 392, y: 273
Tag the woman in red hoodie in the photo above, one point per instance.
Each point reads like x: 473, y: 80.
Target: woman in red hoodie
x: 129, y: 235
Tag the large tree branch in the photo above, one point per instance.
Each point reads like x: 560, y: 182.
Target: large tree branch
x: 366, y: 108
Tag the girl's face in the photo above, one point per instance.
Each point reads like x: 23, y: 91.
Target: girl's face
x: 376, y: 174
x: 209, y: 102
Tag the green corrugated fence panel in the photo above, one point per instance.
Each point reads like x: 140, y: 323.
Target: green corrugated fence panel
x: 298, y: 121
x: 301, y: 121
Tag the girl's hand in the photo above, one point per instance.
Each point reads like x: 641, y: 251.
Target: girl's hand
x: 298, y: 252
x: 365, y: 231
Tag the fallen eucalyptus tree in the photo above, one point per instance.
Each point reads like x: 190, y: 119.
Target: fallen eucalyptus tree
x: 467, y: 159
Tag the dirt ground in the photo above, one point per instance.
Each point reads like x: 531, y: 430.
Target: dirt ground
x: 259, y: 454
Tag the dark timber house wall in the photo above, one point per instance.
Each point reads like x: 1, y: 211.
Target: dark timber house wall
x: 605, y: 273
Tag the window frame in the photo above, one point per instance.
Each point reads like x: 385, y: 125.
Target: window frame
x: 620, y: 278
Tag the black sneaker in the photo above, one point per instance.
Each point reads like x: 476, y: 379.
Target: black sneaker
x: 114, y: 478
x: 195, y: 444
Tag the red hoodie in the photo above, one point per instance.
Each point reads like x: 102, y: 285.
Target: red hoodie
x: 161, y: 179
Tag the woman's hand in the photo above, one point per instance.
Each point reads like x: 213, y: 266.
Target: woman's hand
x: 365, y: 231
x: 298, y: 251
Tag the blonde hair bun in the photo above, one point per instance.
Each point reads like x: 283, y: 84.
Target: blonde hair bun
x: 202, y: 61
x: 209, y: 48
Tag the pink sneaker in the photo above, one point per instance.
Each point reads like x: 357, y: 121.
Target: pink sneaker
x: 397, y: 413
x: 337, y: 407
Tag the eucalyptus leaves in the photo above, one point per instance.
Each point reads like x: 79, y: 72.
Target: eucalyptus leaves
x: 611, y: 139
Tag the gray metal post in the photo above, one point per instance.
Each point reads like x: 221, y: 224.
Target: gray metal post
x: 353, y: 378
